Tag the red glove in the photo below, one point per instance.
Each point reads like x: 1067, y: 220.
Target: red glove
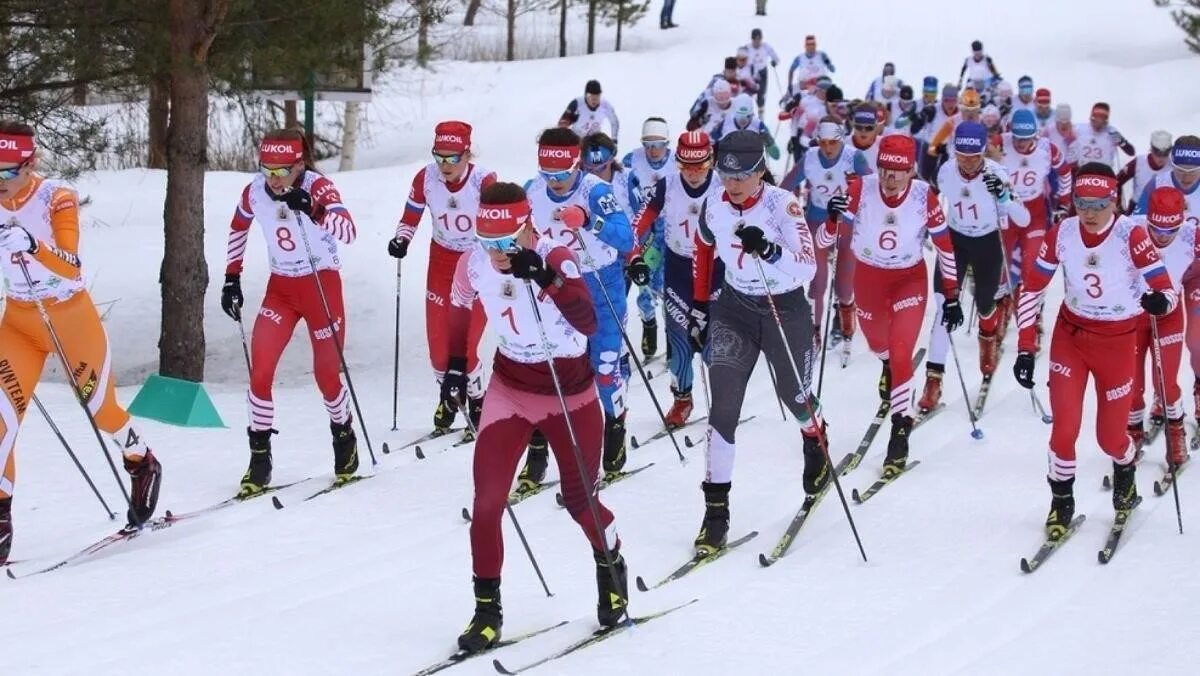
x: 574, y: 217
x: 785, y: 114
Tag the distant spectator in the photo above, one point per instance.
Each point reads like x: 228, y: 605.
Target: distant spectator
x: 760, y: 7
x: 664, y: 20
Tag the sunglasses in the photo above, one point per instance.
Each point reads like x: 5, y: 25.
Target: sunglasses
x: 1162, y: 233
x: 557, y: 176
x: 505, y: 244
x: 654, y: 145
x: 864, y: 127
x: 10, y: 173
x: 695, y: 167
x: 269, y: 172
x: 601, y: 166
x: 447, y: 159
x: 1092, y: 203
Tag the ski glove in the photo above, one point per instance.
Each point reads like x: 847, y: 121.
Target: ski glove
x: 231, y: 297
x: 952, y: 314
x: 838, y: 204
x: 1155, y: 303
x: 298, y: 199
x: 995, y: 185
x: 575, y: 217
x: 398, y: 247
x: 698, y: 325
x: 754, y: 242
x: 1023, y: 370
x: 638, y: 271
x: 1060, y: 214
x: 527, y: 264
x: 15, y: 239
x: 454, y: 384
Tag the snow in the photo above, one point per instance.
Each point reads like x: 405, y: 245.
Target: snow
x: 375, y: 578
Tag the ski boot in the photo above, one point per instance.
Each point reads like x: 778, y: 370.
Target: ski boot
x: 1062, y: 507
x: 681, y: 410
x: 649, y: 338
x: 534, y: 472
x: 845, y: 313
x: 1176, y: 443
x: 614, y: 595
x: 443, y: 419
x: 1124, y: 487
x: 474, y: 413
x: 1137, y: 434
x: 1003, y: 311
x: 931, y: 396
x: 345, y: 451
x: 484, y: 630
x: 816, y: 466
x: 885, y: 381
x: 614, y: 446
x: 258, y: 474
x: 714, y: 532
x: 145, y: 476
x: 6, y: 529
x: 1156, y: 413
x: 989, y: 352
x: 835, y: 330
x: 897, y: 451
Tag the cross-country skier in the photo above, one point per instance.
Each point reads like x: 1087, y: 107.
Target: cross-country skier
x: 1144, y: 168
x: 1043, y: 109
x: 449, y: 186
x: 675, y: 201
x: 978, y: 67
x: 40, y: 237
x: 752, y: 227
x: 1107, y: 261
x: 762, y: 56
x: 743, y: 117
x: 1098, y: 140
x: 523, y: 394
x: 808, y: 65
x: 648, y: 165
x: 1062, y: 134
x: 289, y: 194
x: 1177, y: 244
x: 587, y: 114
x: 889, y: 214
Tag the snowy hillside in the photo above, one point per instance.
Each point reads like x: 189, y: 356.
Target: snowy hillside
x: 375, y: 578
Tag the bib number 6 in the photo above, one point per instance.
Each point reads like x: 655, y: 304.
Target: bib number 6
x: 887, y: 240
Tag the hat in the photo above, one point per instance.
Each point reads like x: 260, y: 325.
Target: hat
x: 452, y: 136
x: 990, y: 113
x: 722, y: 92
x: 1042, y: 96
x: 929, y: 84
x: 655, y: 127
x: 1166, y: 208
x: 1024, y: 124
x: 597, y: 155
x: 743, y: 105
x: 731, y: 63
x: 740, y: 152
x: 743, y: 53
x: 1160, y: 140
x: 834, y: 94
x: 756, y: 34
x: 1101, y: 110
x: 1025, y: 83
x: 1185, y: 154
x: 277, y: 151
x: 824, y: 82
x: 906, y: 93
x: 970, y: 99
x: 896, y: 152
x: 970, y: 138
x: 558, y: 158
x: 949, y: 92
x: 976, y: 46
x: 501, y: 220
x: 1062, y: 112
x: 1096, y: 186
x: 693, y: 147
x: 889, y: 68
x: 592, y: 87
x: 864, y: 115
x: 1004, y: 89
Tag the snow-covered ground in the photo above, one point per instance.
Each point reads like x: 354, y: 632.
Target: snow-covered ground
x: 376, y: 578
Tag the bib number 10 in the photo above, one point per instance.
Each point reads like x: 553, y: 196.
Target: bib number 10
x: 462, y: 222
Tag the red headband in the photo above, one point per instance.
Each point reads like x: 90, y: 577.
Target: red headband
x: 557, y: 158
x: 501, y: 220
x: 1095, y: 186
x: 280, y: 151
x: 452, y: 137
x: 15, y: 148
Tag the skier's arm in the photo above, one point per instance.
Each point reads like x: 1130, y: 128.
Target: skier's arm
x: 1126, y: 174
x: 650, y: 211
x: 1149, y: 263
x: 795, y: 176
x: 571, y: 115
x: 571, y: 296
x: 1060, y: 178
x: 827, y: 236
x: 1033, y: 289
x: 609, y: 223
x: 828, y: 63
x: 940, y: 137
x: 1143, y: 203
x: 772, y: 53
x: 1124, y: 144
x: 939, y: 232
x: 330, y: 214
x: 861, y: 167
x: 612, y: 119
x: 798, y: 258
x: 702, y: 261
x: 414, y: 208
x: 239, y: 232
x: 462, y: 299
x: 992, y: 68
x: 61, y: 254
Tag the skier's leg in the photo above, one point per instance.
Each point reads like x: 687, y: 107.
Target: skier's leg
x: 327, y: 367
x: 588, y: 422
x: 1068, y: 380
x: 23, y: 352
x: 733, y: 348
x: 503, y: 432
x: 908, y: 312
x: 796, y: 320
x: 1113, y: 381
x: 277, y: 318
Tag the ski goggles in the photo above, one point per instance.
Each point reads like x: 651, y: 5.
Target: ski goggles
x: 695, y: 167
x: 9, y: 173
x: 447, y: 159
x: 557, y: 176
x: 654, y: 145
x: 504, y: 244
x: 1162, y: 234
x: 269, y: 172
x: 1092, y: 203
x: 865, y: 128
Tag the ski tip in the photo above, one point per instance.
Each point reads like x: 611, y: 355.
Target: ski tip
x: 9, y: 573
x: 500, y: 668
x: 687, y: 441
x: 633, y: 441
x: 420, y: 453
x: 764, y: 561
x: 1025, y: 567
x: 1104, y: 556
x: 466, y: 514
x: 855, y: 496
x: 558, y: 498
x: 641, y: 584
x: 1106, y: 483
x: 275, y: 502
x: 1158, y: 490
x: 976, y: 434
x: 1049, y: 420
x: 386, y: 450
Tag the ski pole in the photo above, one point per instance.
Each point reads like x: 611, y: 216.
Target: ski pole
x: 67, y: 371
x: 517, y: 525
x: 976, y: 433
x: 778, y: 82
x: 812, y: 414
x: 78, y: 465
x: 1038, y: 408
x: 704, y: 381
x: 575, y: 448
x: 1162, y: 388
x: 775, y: 386
x: 337, y: 342
x: 396, y: 352
x: 629, y: 346
x: 245, y: 349
x: 828, y: 318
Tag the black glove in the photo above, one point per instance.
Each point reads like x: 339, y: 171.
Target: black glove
x: 1156, y: 303
x: 838, y: 204
x: 791, y: 146
x: 698, y: 325
x: 928, y: 113
x: 1060, y: 214
x: 755, y: 242
x: 638, y: 272
x: 995, y: 185
x: 298, y: 199
x: 527, y: 264
x: 231, y: 297
x: 1023, y: 370
x: 952, y: 314
x: 398, y: 247
x: 454, y: 384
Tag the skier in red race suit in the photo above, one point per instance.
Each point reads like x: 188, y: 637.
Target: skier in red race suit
x: 299, y: 210
x: 449, y: 186
x: 1108, y: 260
x: 509, y: 269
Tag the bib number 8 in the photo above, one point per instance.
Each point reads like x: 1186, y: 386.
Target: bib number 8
x: 283, y: 239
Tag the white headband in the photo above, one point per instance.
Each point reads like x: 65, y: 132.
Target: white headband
x: 829, y: 131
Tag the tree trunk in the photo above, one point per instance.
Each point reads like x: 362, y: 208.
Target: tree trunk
x: 184, y: 272
x: 158, y: 110
x: 349, y: 135
x: 290, y: 118
x: 510, y: 17
x: 591, y: 38
x: 423, y: 21
x: 562, y: 28
x: 472, y: 10
x: 620, y: 21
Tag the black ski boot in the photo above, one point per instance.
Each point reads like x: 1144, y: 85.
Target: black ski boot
x: 714, y: 532
x: 885, y: 382
x: 345, y: 451
x: 474, y: 414
x: 145, y: 476
x: 649, y: 338
x: 1062, y: 507
x: 897, y: 451
x: 5, y: 529
x: 614, y: 446
x: 443, y: 419
x: 484, y: 629
x: 536, y: 460
x: 258, y: 474
x: 1124, y: 487
x: 613, y: 599
x: 816, y: 466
